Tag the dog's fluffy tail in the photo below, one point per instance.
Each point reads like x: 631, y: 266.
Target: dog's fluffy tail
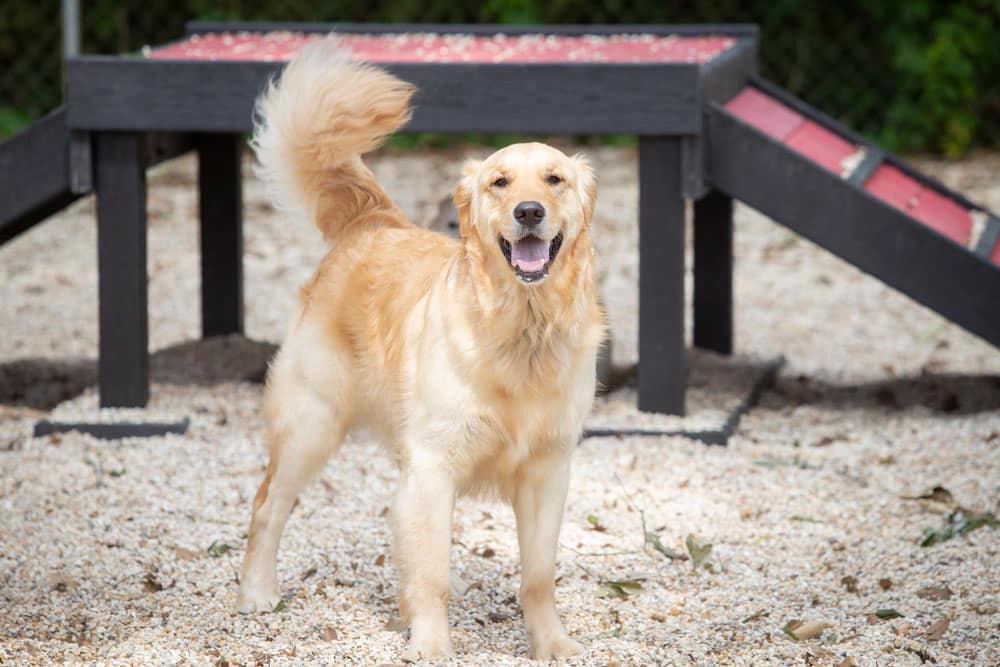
x: 311, y: 127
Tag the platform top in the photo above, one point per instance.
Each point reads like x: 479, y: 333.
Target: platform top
x: 280, y: 46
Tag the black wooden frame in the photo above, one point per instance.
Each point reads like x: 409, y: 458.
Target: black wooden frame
x: 661, y: 102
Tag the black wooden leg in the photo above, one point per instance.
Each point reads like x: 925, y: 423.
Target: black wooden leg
x: 220, y: 188
x: 121, y: 256
x: 661, y: 276
x: 713, y: 273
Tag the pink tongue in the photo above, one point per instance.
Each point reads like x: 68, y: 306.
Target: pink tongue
x: 529, y: 254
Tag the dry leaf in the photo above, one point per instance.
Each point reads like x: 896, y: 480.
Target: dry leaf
x: 595, y: 522
x: 698, y: 550
x: 885, y: 584
x: 150, y: 584
x: 936, y: 593
x: 380, y: 560
x: 800, y: 630
x: 850, y: 584
x: 329, y: 634
x: 847, y: 662
x: 937, y: 629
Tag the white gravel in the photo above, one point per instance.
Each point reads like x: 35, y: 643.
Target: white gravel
x: 105, y: 546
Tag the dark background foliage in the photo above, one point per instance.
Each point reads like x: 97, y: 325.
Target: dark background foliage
x: 916, y: 75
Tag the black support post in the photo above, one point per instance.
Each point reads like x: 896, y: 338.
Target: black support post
x: 121, y: 253
x: 713, y: 273
x: 221, y: 210
x: 661, y: 276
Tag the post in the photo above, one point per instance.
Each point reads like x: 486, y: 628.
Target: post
x: 713, y: 273
x: 121, y: 258
x: 221, y: 210
x: 661, y: 276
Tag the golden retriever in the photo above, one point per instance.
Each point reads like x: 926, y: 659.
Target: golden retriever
x: 472, y: 359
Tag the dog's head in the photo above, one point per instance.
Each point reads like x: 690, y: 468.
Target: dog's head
x: 523, y: 205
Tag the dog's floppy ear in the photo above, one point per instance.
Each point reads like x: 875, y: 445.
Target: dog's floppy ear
x: 463, y: 196
x: 586, y: 185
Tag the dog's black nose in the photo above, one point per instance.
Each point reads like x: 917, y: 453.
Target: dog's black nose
x: 529, y: 213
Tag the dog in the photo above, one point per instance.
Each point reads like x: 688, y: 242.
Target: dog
x: 473, y: 360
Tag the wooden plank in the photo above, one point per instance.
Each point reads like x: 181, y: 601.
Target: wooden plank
x: 853, y: 224
x: 734, y: 29
x: 122, y: 284
x: 661, y: 276
x: 34, y: 174
x: 139, y: 94
x: 221, y: 215
x: 713, y: 273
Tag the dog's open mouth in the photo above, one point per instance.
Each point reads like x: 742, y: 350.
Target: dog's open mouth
x: 530, y: 256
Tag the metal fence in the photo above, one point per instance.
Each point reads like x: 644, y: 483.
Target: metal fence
x: 840, y: 74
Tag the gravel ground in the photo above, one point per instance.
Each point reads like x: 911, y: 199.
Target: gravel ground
x: 126, y: 552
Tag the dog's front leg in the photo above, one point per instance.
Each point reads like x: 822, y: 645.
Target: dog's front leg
x: 422, y: 531
x: 538, y: 502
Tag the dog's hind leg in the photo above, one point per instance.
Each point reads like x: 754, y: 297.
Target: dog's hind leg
x: 305, y: 428
x: 538, y: 502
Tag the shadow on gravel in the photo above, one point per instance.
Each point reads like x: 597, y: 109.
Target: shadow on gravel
x: 944, y: 393
x: 44, y: 383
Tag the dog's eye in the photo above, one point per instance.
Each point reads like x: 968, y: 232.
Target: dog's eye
x: 500, y: 182
x: 553, y: 179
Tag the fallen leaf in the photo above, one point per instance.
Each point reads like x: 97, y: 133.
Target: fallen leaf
x: 653, y: 540
x: 594, y: 521
x: 937, y: 629
x: 959, y: 522
x: 939, y: 500
x: 658, y: 617
x: 380, y: 560
x: 280, y: 607
x: 621, y: 588
x: 885, y: 584
x: 887, y: 614
x: 800, y: 630
x: 150, y: 584
x: 699, y: 551
x: 847, y: 662
x: 330, y: 634
x: 936, y: 593
x: 849, y: 583
x: 218, y: 549
x: 487, y: 553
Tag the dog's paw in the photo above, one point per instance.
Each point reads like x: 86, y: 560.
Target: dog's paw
x: 249, y: 600
x: 428, y: 649
x: 558, y: 647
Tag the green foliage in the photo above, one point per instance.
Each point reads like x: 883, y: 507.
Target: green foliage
x: 912, y: 74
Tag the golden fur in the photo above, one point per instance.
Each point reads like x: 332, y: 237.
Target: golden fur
x: 476, y: 379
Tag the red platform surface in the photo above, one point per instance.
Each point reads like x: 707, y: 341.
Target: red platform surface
x: 425, y: 47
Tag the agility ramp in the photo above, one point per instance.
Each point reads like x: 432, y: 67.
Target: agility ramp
x: 807, y: 172
x: 35, y: 179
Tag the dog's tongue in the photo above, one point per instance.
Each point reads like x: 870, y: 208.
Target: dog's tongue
x: 529, y: 254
